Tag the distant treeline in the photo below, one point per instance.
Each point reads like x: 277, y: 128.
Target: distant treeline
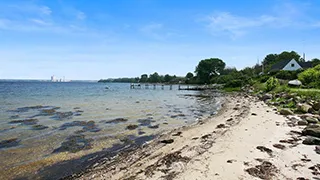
x: 154, y: 78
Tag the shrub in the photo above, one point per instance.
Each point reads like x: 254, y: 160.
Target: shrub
x: 234, y: 83
x: 310, y: 77
x: 271, y: 84
x: 288, y: 75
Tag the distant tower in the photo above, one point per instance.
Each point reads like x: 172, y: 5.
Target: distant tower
x: 52, y: 78
x: 304, y: 56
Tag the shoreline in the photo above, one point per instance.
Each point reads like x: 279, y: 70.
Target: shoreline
x: 247, y: 139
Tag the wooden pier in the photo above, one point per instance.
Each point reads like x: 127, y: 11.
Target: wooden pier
x: 171, y: 87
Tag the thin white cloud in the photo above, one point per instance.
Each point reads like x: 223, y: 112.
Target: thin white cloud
x: 81, y: 15
x: 40, y: 22
x: 236, y: 25
x: 282, y: 15
x: 45, y: 10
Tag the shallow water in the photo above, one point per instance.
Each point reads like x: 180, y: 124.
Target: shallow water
x: 70, y: 120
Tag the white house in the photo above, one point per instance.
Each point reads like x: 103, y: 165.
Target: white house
x: 290, y: 65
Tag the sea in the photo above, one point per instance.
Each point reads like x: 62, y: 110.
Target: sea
x: 45, y: 125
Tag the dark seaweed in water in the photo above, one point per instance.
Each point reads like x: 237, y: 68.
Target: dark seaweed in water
x: 117, y: 120
x: 75, y: 143
x: 25, y: 121
x: 9, y: 143
x: 71, y: 169
x: 63, y: 115
x: 87, y: 126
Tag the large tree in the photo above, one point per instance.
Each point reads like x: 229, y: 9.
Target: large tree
x: 209, y: 68
x: 272, y: 59
x: 154, y: 78
x: 144, y: 78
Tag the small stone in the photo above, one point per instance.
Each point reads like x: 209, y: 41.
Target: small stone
x: 253, y: 114
x: 221, y: 126
x: 154, y: 126
x: 167, y: 141
x: 302, y: 123
x: 279, y: 146
x: 39, y: 127
x: 177, y: 134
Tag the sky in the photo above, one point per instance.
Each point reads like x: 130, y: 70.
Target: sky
x: 90, y: 40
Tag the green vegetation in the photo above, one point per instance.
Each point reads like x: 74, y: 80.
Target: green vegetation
x: 259, y: 77
x: 271, y: 84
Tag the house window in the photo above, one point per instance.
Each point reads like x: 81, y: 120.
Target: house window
x: 292, y: 65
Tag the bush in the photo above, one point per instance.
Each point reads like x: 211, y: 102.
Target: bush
x: 288, y: 75
x: 234, y: 83
x: 271, y: 84
x: 263, y: 78
x: 310, y: 77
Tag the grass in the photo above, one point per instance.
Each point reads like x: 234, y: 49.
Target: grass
x: 310, y: 93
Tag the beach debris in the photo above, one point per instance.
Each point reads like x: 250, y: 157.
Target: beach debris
x: 231, y: 161
x: 75, y: 143
x: 266, y: 170
x: 265, y: 149
x: 165, y: 164
x: 9, y: 143
x: 39, y: 127
x: 311, y: 141
x: 117, y: 120
x: 230, y: 119
x: 279, y: 146
x: 132, y: 127
x: 295, y: 166
x: 177, y: 134
x: 315, y: 169
x: 221, y: 126
x: 25, y: 121
x: 167, y: 141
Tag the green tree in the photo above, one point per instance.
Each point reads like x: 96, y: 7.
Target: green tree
x: 154, y: 78
x: 208, y: 68
x: 167, y: 78
x: 144, y: 78
x: 285, y: 55
x: 315, y: 62
x: 189, y: 75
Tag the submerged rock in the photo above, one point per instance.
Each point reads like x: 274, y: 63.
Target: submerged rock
x: 39, y: 127
x: 117, y: 120
x: 75, y: 143
x: 48, y: 112
x: 178, y: 115
x: 25, y: 121
x: 63, y: 115
x: 14, y: 117
x: 9, y: 143
x: 132, y: 127
x: 87, y: 126
x: 145, y: 122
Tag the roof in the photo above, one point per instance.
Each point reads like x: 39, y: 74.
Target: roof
x: 280, y: 65
x: 305, y: 65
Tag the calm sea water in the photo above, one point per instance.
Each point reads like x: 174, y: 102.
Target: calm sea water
x: 52, y: 122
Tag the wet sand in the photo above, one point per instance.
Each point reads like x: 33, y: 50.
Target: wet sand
x: 245, y: 140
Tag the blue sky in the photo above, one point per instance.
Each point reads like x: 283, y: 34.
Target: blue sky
x: 125, y: 38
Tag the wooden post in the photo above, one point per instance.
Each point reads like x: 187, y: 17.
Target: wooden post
x: 179, y: 87
x: 154, y: 86
x: 170, y: 87
x: 162, y: 87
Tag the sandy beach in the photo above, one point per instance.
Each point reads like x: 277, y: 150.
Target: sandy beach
x: 246, y: 140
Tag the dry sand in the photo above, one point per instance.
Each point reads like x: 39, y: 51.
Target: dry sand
x: 238, y: 143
